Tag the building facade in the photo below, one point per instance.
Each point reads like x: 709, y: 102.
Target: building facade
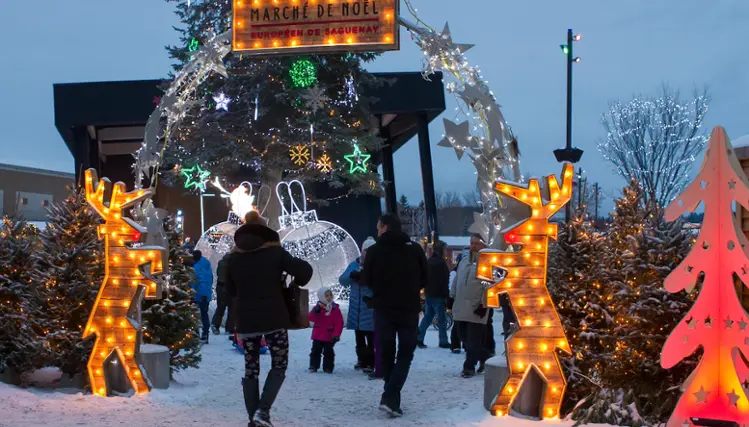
x: 28, y: 192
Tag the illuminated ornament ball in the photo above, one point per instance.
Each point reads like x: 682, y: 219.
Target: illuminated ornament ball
x: 329, y: 248
x: 303, y: 73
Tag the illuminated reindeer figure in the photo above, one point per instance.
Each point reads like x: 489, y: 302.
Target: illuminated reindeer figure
x: 522, y: 275
x: 129, y: 274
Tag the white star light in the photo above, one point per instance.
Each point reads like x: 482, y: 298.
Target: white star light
x: 222, y: 102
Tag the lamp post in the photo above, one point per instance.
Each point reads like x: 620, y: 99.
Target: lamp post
x: 569, y: 154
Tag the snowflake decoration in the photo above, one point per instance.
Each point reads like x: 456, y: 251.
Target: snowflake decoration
x: 222, y: 102
x: 325, y: 164
x: 315, y: 98
x: 299, y: 154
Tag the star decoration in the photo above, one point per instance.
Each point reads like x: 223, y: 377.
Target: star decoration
x: 325, y: 164
x: 314, y: 98
x: 195, y: 177
x: 692, y: 323
x: 457, y: 136
x: 708, y: 322
x: 733, y: 398
x: 194, y: 44
x: 479, y: 225
x: 357, y: 160
x: 222, y: 102
x: 729, y: 323
x: 732, y: 184
x: 446, y: 41
x: 701, y: 395
x: 689, y: 269
x: 299, y: 154
x: 742, y: 325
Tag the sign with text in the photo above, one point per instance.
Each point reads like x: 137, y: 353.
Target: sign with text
x: 295, y: 27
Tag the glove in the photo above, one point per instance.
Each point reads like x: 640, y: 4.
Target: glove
x: 316, y: 310
x: 368, y: 301
x: 480, y: 311
x: 355, y: 275
x: 336, y: 339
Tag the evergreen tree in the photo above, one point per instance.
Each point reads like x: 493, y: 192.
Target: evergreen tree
x: 642, y: 250
x: 172, y: 320
x: 287, y: 116
x: 21, y: 347
x: 580, y: 292
x: 69, y: 270
x: 403, y: 202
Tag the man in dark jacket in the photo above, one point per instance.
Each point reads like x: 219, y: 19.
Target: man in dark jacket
x: 255, y: 281
x: 436, y: 292
x: 222, y: 298
x: 396, y: 270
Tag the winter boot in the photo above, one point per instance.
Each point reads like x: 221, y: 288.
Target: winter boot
x: 312, y: 369
x: 421, y: 344
x: 262, y: 418
x: 216, y: 330
x: 468, y: 373
x: 273, y: 383
x: 251, y: 391
x: 204, y: 339
x: 482, y: 368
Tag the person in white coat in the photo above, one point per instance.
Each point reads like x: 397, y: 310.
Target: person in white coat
x: 469, y: 309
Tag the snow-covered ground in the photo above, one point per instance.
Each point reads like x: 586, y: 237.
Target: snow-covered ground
x: 434, y: 395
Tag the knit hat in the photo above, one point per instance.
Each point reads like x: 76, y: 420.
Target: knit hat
x: 252, y: 217
x: 368, y: 243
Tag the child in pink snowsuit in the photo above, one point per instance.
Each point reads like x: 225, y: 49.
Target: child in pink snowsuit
x: 327, y: 324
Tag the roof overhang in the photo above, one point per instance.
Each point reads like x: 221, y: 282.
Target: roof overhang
x: 115, y: 113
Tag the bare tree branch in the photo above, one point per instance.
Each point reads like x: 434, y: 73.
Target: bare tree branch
x: 654, y: 141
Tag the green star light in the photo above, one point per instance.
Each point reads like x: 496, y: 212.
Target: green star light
x: 357, y: 160
x: 193, y: 46
x: 195, y: 177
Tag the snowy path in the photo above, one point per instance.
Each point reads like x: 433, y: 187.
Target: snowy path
x: 211, y: 396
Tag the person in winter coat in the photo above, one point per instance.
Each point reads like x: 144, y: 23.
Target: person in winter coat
x: 222, y: 299
x: 360, y: 313
x: 436, y: 292
x: 254, y: 281
x: 203, y: 288
x: 327, y: 325
x: 455, y: 344
x: 469, y: 309
x: 396, y: 270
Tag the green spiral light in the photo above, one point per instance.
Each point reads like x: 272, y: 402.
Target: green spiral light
x: 303, y: 73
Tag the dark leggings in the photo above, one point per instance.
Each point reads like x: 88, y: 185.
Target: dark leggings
x: 278, y: 344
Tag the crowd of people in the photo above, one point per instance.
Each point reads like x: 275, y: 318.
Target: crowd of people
x: 386, y: 285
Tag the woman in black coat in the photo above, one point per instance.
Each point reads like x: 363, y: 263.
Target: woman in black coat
x: 254, y: 282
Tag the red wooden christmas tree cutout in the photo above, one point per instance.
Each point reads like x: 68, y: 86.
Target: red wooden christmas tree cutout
x: 717, y: 322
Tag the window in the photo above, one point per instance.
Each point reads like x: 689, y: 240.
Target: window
x: 32, y: 206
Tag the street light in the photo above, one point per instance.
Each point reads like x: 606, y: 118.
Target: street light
x: 569, y: 154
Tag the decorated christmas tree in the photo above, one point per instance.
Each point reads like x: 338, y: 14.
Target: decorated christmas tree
x: 69, y: 270
x: 579, y: 291
x: 21, y: 344
x: 640, y: 251
x: 296, y: 117
x: 172, y: 320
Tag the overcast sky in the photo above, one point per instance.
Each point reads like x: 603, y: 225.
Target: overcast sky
x: 627, y: 48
